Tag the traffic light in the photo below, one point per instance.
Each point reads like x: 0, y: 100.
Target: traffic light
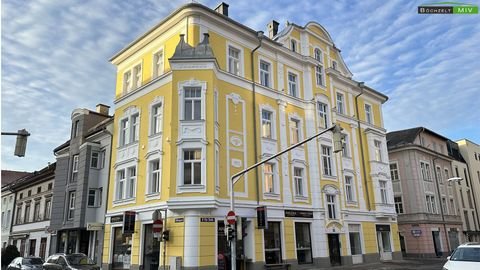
x: 21, y: 144
x: 230, y: 233
x: 338, y: 138
x: 166, y: 235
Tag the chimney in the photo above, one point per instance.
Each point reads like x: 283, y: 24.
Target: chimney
x: 222, y: 9
x: 102, y: 109
x: 272, y: 28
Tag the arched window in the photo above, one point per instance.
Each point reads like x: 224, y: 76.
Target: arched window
x: 293, y: 45
x: 318, y: 55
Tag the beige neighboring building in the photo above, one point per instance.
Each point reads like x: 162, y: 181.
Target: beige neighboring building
x: 428, y: 218
x: 470, y: 152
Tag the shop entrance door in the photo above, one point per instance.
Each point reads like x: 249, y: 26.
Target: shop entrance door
x: 151, y: 249
x: 334, y: 249
x: 384, y: 243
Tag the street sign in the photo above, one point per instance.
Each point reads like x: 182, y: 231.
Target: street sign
x: 157, y: 226
x: 231, y: 217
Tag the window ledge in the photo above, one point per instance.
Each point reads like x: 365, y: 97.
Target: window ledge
x: 123, y: 201
x: 155, y: 135
x: 352, y: 202
x: 330, y: 177
x: 152, y: 196
x: 269, y: 139
x: 127, y: 145
x: 271, y: 195
x: 301, y: 198
x: 191, y: 188
x: 193, y: 121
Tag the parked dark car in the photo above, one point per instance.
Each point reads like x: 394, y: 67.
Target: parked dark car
x: 29, y: 263
x: 74, y: 261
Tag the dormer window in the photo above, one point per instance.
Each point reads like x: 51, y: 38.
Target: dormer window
x: 334, y: 65
x: 293, y: 45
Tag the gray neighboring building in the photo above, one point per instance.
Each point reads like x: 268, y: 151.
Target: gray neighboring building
x: 428, y: 216
x: 81, y: 184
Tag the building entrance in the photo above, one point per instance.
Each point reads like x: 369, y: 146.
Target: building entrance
x: 334, y: 249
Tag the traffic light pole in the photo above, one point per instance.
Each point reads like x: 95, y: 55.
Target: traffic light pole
x: 337, y: 140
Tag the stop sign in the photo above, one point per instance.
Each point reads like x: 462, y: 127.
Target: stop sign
x: 157, y: 226
x: 231, y: 217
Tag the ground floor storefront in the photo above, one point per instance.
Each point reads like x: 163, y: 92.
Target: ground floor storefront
x: 88, y: 242
x: 32, y: 243
x: 296, y: 237
x: 429, y: 240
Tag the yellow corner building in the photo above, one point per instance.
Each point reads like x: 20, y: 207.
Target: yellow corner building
x: 200, y: 97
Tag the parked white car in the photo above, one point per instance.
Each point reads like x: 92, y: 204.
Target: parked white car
x: 465, y: 257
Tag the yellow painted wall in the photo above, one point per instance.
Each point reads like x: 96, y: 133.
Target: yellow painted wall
x: 106, y: 243
x: 176, y: 242
x: 289, y: 232
x: 259, y: 254
x: 369, y: 237
x: 207, y: 248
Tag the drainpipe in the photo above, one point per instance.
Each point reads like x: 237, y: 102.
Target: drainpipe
x: 365, y: 182
x: 252, y: 69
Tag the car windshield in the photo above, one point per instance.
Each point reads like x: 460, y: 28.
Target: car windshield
x: 79, y: 259
x: 32, y: 261
x: 469, y: 254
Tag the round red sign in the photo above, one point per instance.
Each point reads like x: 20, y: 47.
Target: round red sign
x: 157, y: 226
x: 231, y: 217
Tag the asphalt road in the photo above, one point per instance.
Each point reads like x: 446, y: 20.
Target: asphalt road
x: 410, y: 264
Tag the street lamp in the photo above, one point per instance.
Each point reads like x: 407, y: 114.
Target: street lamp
x: 454, y: 179
x: 337, y: 147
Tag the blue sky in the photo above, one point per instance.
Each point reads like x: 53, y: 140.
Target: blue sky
x: 55, y: 59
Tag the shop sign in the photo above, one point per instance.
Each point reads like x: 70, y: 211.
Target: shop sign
x: 94, y: 226
x: 129, y: 222
x: 207, y: 219
x: 298, y: 214
x: 114, y: 219
x: 262, y: 217
x: 179, y: 220
x: 416, y: 233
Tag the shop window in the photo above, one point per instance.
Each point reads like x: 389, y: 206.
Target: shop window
x: 355, y: 242
x: 304, y: 244
x: 122, y: 250
x: 273, y: 243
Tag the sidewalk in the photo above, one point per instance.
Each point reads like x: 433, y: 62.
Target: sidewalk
x: 414, y: 264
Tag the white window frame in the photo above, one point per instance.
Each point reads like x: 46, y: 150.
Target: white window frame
x: 439, y: 174
x: 319, y: 76
x: 156, y: 119
x: 425, y: 171
x: 261, y: 73
x: 158, y: 70
x: 99, y: 158
x: 319, y: 59
x: 368, y: 113
x: 240, y: 71
x: 331, y: 203
x: 377, y: 150
x: 327, y: 172
x: 350, y: 189
x: 74, y: 174
x: 134, y: 81
x: 295, y: 130
x: 126, y: 136
x: 323, y: 115
x: 398, y: 204
x: 299, y: 179
x: 71, y: 205
x: 383, y: 189
x: 452, y: 207
x: 273, y: 121
x: 346, y: 152
x: 181, y: 92
x: 275, y: 194
x: 341, y: 109
x: 151, y: 173
x: 126, y: 183
x: 186, y: 146
x: 192, y: 162
x: 97, y: 202
x: 395, y: 170
x: 334, y: 65
x: 193, y: 105
x: 294, y: 45
x: 293, y: 85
